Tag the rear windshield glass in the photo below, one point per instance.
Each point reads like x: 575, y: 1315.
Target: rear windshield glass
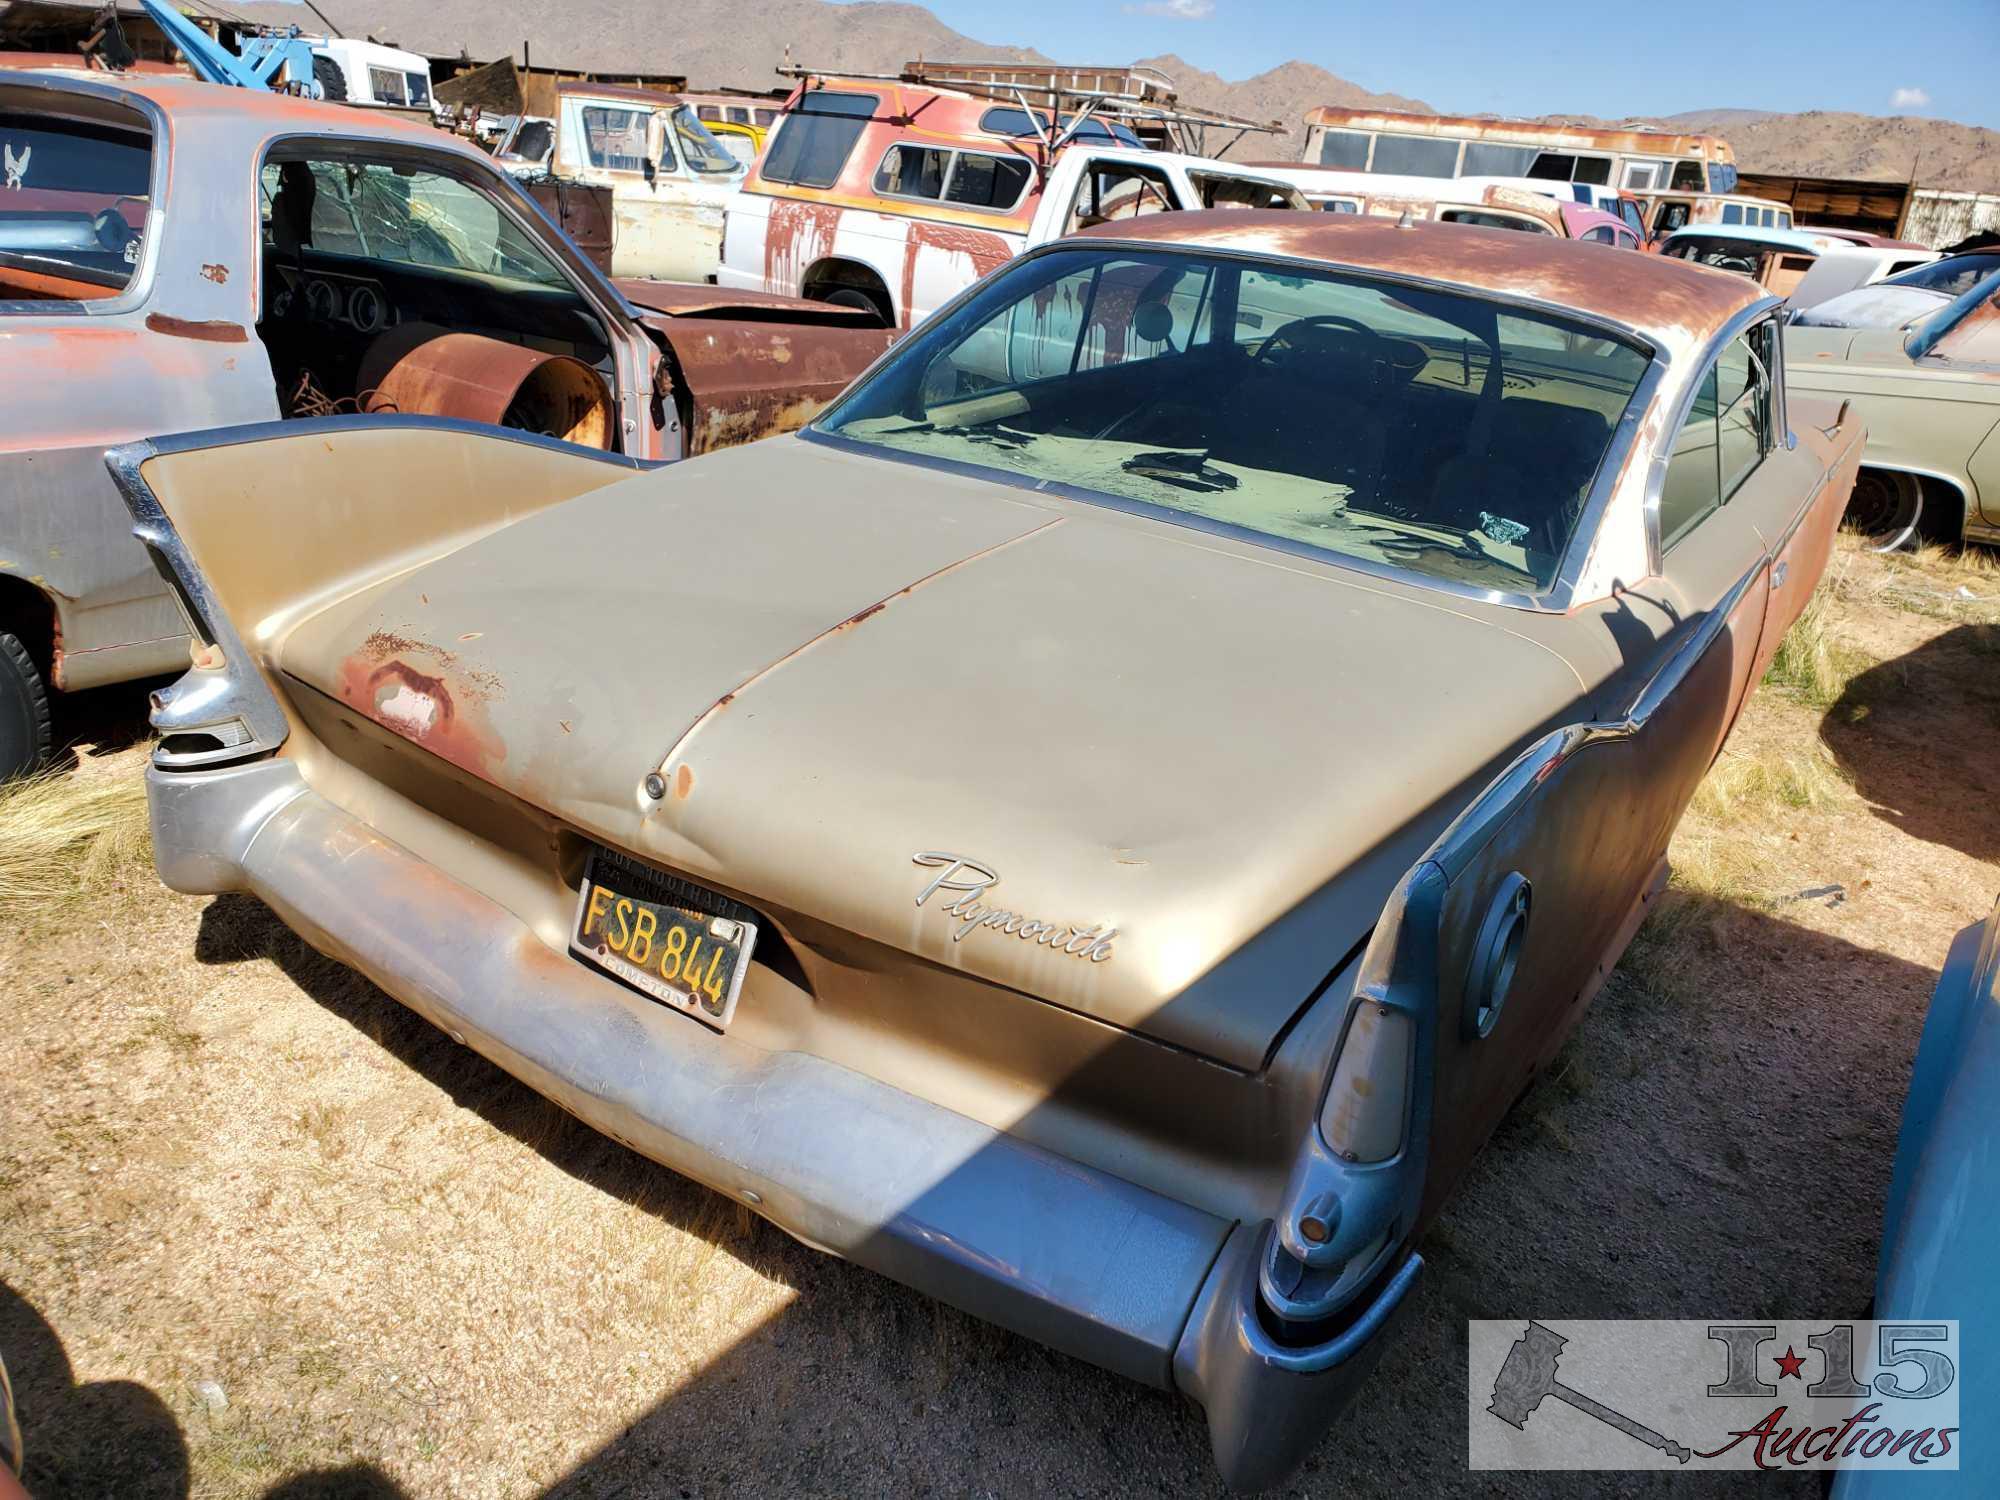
x: 1322, y: 412
x: 73, y: 203
x: 815, y: 138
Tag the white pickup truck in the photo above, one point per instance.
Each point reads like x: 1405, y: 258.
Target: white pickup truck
x: 666, y: 177
x: 909, y: 246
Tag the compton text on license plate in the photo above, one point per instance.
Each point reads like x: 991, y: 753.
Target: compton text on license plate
x: 690, y: 959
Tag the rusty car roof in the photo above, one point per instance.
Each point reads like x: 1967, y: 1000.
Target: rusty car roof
x: 1677, y: 305
x: 179, y: 96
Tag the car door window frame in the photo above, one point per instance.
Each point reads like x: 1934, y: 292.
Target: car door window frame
x: 1761, y: 328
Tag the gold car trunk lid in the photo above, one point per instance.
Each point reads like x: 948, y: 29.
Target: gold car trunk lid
x: 1160, y: 782
x: 1154, y: 777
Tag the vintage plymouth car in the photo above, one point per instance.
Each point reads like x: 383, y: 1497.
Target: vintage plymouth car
x: 1928, y: 388
x: 179, y: 255
x: 1098, y: 827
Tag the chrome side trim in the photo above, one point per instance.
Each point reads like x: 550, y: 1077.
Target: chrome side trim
x: 230, y: 704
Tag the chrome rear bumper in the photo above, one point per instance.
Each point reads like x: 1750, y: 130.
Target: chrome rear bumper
x: 1070, y: 1256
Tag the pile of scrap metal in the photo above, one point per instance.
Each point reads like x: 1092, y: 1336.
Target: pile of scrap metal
x: 400, y: 276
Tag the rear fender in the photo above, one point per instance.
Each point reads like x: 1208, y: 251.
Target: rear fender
x: 252, y: 527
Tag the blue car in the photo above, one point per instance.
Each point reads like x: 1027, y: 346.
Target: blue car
x: 1941, y: 1232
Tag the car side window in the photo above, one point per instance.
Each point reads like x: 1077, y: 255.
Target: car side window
x: 1743, y: 410
x: 615, y: 138
x: 913, y: 172
x: 1692, y: 490
x: 1120, y: 192
x: 1728, y: 431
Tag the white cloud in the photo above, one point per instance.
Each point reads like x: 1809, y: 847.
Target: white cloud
x: 1174, y: 10
x: 1909, y: 99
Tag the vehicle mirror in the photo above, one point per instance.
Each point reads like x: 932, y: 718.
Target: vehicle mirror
x: 652, y: 172
x: 1153, y: 322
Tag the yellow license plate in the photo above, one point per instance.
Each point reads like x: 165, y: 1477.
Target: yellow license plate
x: 683, y: 946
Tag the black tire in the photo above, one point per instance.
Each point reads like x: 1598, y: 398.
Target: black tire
x: 24, y: 711
x: 332, y: 82
x: 857, y: 297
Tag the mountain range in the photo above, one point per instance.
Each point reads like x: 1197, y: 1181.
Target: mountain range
x: 718, y: 42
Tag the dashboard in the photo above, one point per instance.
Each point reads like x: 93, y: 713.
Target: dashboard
x: 327, y: 298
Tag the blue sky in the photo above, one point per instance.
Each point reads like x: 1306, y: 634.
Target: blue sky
x: 1940, y: 58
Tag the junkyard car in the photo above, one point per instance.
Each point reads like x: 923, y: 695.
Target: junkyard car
x: 1941, y: 1223
x: 1928, y: 390
x: 1776, y: 259
x: 1101, y: 825
x: 667, y: 179
x: 145, y: 288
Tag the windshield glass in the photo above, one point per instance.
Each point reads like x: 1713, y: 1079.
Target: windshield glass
x: 401, y: 215
x: 1952, y: 275
x: 703, y: 151
x: 1320, y: 411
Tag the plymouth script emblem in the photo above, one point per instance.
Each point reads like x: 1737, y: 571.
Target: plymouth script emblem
x: 966, y: 880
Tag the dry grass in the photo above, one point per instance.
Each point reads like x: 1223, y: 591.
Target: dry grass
x: 1816, y: 660
x: 69, y: 835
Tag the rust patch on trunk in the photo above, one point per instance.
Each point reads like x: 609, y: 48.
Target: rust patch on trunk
x: 216, y: 273
x: 683, y: 783
x: 442, y: 709
x: 205, y: 332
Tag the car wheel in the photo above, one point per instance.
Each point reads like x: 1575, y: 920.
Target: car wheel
x: 1885, y: 507
x: 24, y: 711
x: 854, y: 296
x: 332, y: 82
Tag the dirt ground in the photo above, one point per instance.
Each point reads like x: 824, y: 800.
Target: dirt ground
x: 263, y: 1233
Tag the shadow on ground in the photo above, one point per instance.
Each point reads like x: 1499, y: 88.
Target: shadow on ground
x: 100, y: 721
x: 1717, y: 1139
x: 1909, y: 731
x: 116, y: 1438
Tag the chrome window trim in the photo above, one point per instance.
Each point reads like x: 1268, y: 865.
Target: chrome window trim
x: 1556, y: 599
x: 137, y: 291
x: 1656, y: 471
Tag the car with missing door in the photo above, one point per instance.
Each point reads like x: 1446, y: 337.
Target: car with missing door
x: 177, y: 255
x: 1101, y: 824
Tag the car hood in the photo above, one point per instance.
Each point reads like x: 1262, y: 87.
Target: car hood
x: 1880, y: 306
x: 1211, y: 760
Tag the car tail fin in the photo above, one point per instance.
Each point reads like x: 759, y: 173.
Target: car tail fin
x: 253, y: 527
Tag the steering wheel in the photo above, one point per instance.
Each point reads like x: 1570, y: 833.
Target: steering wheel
x: 1278, y: 341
